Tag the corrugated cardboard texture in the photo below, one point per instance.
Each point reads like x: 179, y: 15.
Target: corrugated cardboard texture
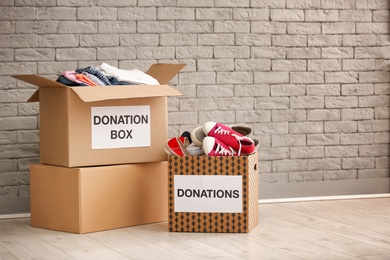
x: 83, y: 200
x: 216, y: 165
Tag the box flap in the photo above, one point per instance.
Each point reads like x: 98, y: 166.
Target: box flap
x: 100, y: 93
x: 39, y: 81
x: 164, y: 72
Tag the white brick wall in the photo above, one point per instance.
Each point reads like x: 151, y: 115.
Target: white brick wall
x: 311, y: 77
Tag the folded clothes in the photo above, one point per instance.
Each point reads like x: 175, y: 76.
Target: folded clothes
x: 93, y: 78
x: 63, y: 80
x: 85, y: 80
x: 95, y: 72
x: 134, y: 75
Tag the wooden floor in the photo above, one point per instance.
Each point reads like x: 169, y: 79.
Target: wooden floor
x: 341, y: 229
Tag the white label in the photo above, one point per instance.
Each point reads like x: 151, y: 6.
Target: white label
x: 208, y: 193
x: 120, y: 127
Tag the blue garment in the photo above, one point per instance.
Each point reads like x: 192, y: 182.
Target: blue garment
x: 95, y: 72
x: 115, y: 81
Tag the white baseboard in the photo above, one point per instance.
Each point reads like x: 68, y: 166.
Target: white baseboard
x: 21, y: 215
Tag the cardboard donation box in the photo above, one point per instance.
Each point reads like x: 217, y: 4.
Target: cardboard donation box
x: 89, y: 199
x: 103, y: 125
x: 212, y: 193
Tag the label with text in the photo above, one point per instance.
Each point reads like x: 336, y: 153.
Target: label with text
x: 120, y: 127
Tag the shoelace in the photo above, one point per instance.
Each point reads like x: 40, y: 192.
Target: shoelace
x: 221, y: 131
x: 222, y: 150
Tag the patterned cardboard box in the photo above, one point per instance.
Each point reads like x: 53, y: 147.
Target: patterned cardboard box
x: 213, y: 194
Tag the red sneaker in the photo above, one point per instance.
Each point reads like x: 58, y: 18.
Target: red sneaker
x: 214, y: 147
x: 177, y: 146
x: 231, y: 138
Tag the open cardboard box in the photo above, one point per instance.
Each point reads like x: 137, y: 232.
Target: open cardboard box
x: 103, y: 125
x: 90, y: 199
x: 217, y: 194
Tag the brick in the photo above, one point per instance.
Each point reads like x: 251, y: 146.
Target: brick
x: 380, y: 16
x: 374, y: 150
x: 289, y: 65
x: 321, y: 15
x: 197, y: 78
x: 357, y: 138
x: 341, y: 102
x: 7, y: 26
x: 340, y: 127
x: 358, y: 163
x: 193, y: 26
x: 76, y: 54
x: 232, y: 26
x: 253, y: 39
x: 382, y: 113
x: 307, y: 77
x: 382, y: 89
x: 197, y: 52
x: 214, y: 91
x: 223, y: 116
x: 324, y: 65
x: 56, y: 13
x: 34, y: 54
x: 382, y: 162
x: 373, y: 173
x: 35, y: 3
x: 9, y: 192
x: 324, y: 164
x: 325, y: 40
x: 235, y: 77
x: 271, y: 77
x: 265, y: 27
x: 289, y: 165
x: 215, y: 13
x: 216, y: 39
x: 215, y: 64
x: 341, y: 77
x: 232, y: 3
x: 305, y: 176
x: 382, y: 138
x: 372, y: 4
x: 355, y: 15
x: 254, y: 116
x: 304, y: 28
x: 159, y: 3
x: 175, y: 13
x: 289, y: 40
x: 250, y: 14
x: 323, y: 90
x: 72, y: 27
x: 102, y: 40
x: 136, y: 39
x: 8, y: 137
x: 323, y: 139
x: 303, y: 53
x: 341, y: 151
x: 231, y: 52
x: 306, y: 152
x: 338, y: 28
x: 268, y: 3
x: 334, y: 175
x: 7, y: 54
x: 337, y: 53
x: 288, y: 90
x: 17, y: 13
x: 155, y: 26
x: 372, y: 28
x: 117, y: 53
x: 374, y: 101
x: 76, y: 3
x: 10, y: 68
x: 323, y: 115
x: 55, y: 67
x: 303, y: 4
x: 7, y: 166
x: 18, y: 41
x: 18, y: 123
x: 137, y: 13
x: 8, y: 109
x: 29, y: 136
x: 274, y: 153
x: 59, y: 40
x: 253, y: 64
x: 271, y: 128
x: 291, y: 115
x: 373, y: 126
x: 339, y: 4
x: 306, y: 127
x: 183, y: 117
x: 357, y: 114
x: 358, y: 65
x: 28, y: 109
x: 286, y: 15
x: 235, y: 103
x: 272, y: 103
x: 155, y: 52
x: 372, y: 52
x: 374, y: 77
x: 268, y: 52
x: 194, y: 104
x: 275, y: 177
x: 307, y: 102
x: 96, y: 13
x: 251, y: 90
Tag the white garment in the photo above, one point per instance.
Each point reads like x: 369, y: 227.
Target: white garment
x: 134, y: 75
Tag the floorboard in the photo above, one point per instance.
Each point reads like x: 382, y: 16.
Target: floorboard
x: 339, y: 229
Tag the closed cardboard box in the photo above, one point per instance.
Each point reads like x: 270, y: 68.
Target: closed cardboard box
x: 103, y: 125
x: 89, y: 199
x: 213, y: 193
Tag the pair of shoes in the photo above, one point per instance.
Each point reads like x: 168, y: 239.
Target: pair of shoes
x: 177, y: 146
x: 221, y: 140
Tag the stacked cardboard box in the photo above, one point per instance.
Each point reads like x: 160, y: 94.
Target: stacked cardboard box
x: 102, y: 160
